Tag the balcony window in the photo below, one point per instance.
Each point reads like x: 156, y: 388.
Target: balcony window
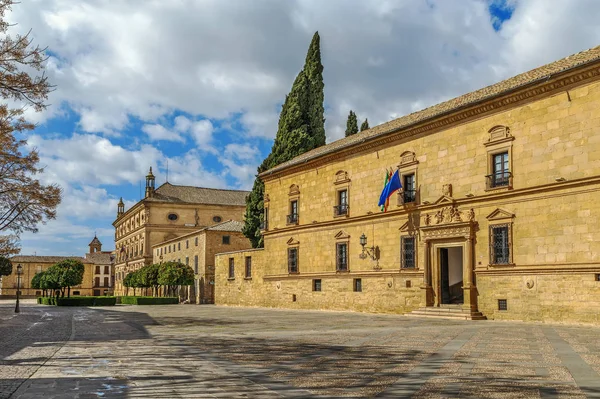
x: 500, y: 176
x: 409, y: 192
x: 292, y: 218
x: 341, y: 209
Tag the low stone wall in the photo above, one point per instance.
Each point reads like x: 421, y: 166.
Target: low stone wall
x: 552, y: 297
x: 382, y: 291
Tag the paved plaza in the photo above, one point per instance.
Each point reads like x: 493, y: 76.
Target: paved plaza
x: 189, y: 351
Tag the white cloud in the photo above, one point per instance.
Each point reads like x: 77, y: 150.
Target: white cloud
x: 159, y: 132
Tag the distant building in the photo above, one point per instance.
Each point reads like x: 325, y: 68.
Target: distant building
x: 166, y: 213
x: 198, y: 249
x: 103, y: 280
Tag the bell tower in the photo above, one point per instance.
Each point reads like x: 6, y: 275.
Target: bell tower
x: 120, y: 207
x: 95, y: 245
x: 149, y: 184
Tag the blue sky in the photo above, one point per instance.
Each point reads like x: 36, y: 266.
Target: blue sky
x: 199, y: 84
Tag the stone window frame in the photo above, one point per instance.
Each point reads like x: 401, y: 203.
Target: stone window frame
x: 289, y: 257
x: 294, y: 195
x: 499, y: 141
x: 341, y: 182
x: 248, y: 268
x: 499, y: 218
x: 317, y: 285
x: 409, y: 165
x: 226, y: 240
x: 231, y: 264
x: 357, y: 285
x: 342, y: 238
x: 172, y: 213
x: 403, y: 238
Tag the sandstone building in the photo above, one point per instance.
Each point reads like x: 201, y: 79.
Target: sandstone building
x: 198, y: 249
x: 165, y: 213
x: 103, y: 278
x: 96, y: 263
x: 499, y: 215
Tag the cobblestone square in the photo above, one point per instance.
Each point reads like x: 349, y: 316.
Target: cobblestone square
x: 187, y: 351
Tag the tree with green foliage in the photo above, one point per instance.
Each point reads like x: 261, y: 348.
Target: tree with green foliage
x: 49, y: 281
x: 351, y: 124
x: 5, y: 266
x: 70, y: 273
x: 174, y: 275
x: 301, y: 128
x: 365, y: 125
x: 149, y: 277
x: 36, y: 281
x: 128, y: 282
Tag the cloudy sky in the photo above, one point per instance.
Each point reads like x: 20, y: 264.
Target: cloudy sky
x: 199, y: 83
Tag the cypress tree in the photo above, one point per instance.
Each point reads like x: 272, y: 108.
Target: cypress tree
x: 365, y: 125
x: 301, y: 128
x: 351, y: 124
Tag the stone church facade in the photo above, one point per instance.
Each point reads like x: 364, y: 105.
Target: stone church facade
x: 499, y: 215
x: 165, y: 213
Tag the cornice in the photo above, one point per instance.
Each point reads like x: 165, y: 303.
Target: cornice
x: 554, y: 268
x: 358, y: 273
x: 503, y: 101
x: 459, y: 202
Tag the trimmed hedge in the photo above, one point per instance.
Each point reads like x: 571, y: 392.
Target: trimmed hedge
x: 148, y: 300
x: 79, y: 301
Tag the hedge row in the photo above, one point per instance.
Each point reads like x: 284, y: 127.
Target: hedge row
x: 79, y: 301
x: 148, y: 300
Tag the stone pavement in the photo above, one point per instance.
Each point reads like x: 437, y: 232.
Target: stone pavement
x: 189, y: 351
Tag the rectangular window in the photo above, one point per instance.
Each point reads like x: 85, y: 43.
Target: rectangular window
x: 292, y: 218
x: 106, y: 269
x: 292, y: 260
x: 231, y: 268
x: 226, y: 240
x: 248, y: 267
x: 38, y: 269
x: 357, y: 285
x: 187, y: 244
x: 96, y: 281
x: 105, y: 281
x: 500, y: 245
x: 187, y: 260
x: 409, y: 192
x: 317, y: 284
x: 97, y: 269
x: 342, y: 203
x: 196, y: 264
x: 500, y: 176
x: 407, y: 246
x: 265, y: 221
x: 169, y: 249
x: 342, y: 256
x: 179, y: 246
x: 502, y: 304
x: 196, y: 240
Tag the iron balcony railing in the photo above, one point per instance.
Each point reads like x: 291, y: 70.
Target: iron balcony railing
x: 499, y: 179
x: 409, y: 196
x: 292, y: 219
x: 341, y: 210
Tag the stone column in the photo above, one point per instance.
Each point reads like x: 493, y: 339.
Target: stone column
x: 428, y: 300
x: 470, y: 295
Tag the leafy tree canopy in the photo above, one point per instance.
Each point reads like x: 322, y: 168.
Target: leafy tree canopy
x: 175, y: 273
x: 5, y: 266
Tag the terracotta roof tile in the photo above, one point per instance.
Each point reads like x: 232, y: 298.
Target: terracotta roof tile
x: 198, y: 195
x: 537, y: 74
x: 43, y: 259
x: 99, y: 258
x: 229, y: 225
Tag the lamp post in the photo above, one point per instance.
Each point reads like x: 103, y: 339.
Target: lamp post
x: 19, y: 272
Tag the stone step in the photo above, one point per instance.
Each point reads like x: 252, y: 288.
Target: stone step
x: 446, y: 312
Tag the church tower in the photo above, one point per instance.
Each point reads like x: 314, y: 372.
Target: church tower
x: 120, y: 207
x: 149, y: 184
x: 95, y: 245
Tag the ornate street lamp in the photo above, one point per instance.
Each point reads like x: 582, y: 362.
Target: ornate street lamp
x: 369, y: 251
x: 19, y: 273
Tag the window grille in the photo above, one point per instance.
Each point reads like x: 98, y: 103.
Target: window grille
x: 292, y: 260
x: 407, y: 245
x: 248, y: 267
x: 500, y: 245
x: 317, y: 285
x: 342, y: 257
x: 502, y: 304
